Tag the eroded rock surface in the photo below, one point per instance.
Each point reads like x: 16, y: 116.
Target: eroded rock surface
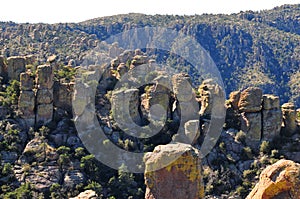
x: 179, y: 178
x: 278, y: 181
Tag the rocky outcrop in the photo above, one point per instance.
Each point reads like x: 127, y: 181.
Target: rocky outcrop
x: 173, y: 171
x: 259, y: 116
x: 88, y: 194
x: 280, y: 180
x: 15, y: 66
x: 44, y: 98
x: 289, y: 115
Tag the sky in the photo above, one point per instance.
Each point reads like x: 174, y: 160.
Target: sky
x: 56, y: 11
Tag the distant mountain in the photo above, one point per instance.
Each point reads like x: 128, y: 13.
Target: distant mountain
x: 249, y: 48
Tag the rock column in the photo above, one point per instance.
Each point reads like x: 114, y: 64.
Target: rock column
x: 271, y: 117
x: 250, y: 106
x: 26, y: 103
x: 289, y: 119
x: 44, y: 95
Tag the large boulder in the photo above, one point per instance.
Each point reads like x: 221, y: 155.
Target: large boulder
x: 250, y: 100
x: 26, y: 81
x: 278, y: 181
x: 173, y: 171
x: 15, y: 66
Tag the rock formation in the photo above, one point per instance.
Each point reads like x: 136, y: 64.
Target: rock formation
x: 26, y: 103
x: 280, y: 180
x: 250, y: 105
x: 258, y: 115
x: 15, y: 66
x: 88, y: 194
x: 173, y: 171
x: 289, y: 119
x: 271, y: 117
x: 44, y: 94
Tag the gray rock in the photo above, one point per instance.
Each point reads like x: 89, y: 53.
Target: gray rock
x: 15, y: 66
x: 73, y: 178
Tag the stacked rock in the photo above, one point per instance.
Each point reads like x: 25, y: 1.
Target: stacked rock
x: 271, y: 117
x: 26, y: 103
x: 250, y: 106
x: 289, y: 116
x: 44, y: 95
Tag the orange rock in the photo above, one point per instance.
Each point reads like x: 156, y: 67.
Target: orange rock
x: 278, y: 181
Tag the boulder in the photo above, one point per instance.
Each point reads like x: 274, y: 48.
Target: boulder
x: 192, y: 130
x: 182, y: 87
x: 44, y: 96
x: 270, y: 102
x: 15, y: 66
x: 234, y: 99
x: 212, y: 98
x: 250, y: 100
x: 26, y: 82
x: 280, y: 180
x: 88, y: 194
x: 73, y: 178
x: 173, y: 171
x: 45, y: 77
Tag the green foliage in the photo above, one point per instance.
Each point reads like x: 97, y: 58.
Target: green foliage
x: 247, y: 153
x: 240, y: 137
x: 95, y: 186
x: 23, y: 192
x: 265, y: 147
x: 63, y: 150
x: 66, y: 74
x: 11, y: 94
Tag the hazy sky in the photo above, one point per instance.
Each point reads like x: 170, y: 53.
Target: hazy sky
x: 54, y: 11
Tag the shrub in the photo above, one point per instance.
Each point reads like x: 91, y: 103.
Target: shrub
x: 240, y: 137
x: 248, y: 152
x: 265, y: 147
